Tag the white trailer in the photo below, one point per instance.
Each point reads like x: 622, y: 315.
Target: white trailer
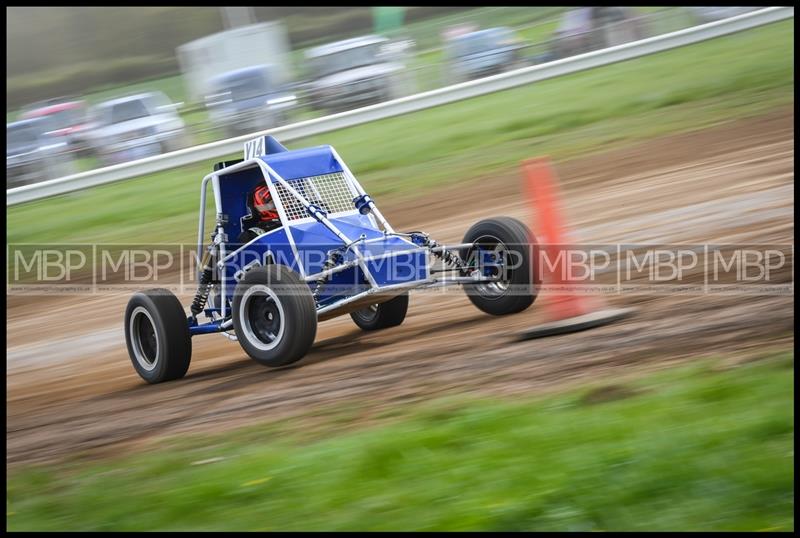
x: 245, y: 46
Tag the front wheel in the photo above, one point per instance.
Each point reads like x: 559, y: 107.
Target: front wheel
x: 157, y: 336
x: 505, y: 248
x: 274, y: 315
x: 383, y: 315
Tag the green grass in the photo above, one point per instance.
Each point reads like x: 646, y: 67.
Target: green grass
x: 698, y: 448
x: 683, y: 89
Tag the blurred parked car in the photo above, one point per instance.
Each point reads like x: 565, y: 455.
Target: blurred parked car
x: 248, y: 100
x: 482, y: 53
x: 67, y: 118
x: 135, y: 127
x: 35, y: 152
x: 592, y: 28
x: 353, y: 72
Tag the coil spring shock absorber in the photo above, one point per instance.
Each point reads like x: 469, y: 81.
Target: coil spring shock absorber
x: 449, y: 258
x: 205, y: 283
x: 335, y: 257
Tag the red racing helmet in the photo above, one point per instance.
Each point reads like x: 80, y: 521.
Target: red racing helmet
x: 263, y: 204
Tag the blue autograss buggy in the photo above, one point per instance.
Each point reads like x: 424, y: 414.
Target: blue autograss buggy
x: 334, y: 253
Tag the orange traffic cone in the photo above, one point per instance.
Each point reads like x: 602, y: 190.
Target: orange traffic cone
x: 565, y: 311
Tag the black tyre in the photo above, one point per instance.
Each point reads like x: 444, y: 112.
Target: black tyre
x: 383, y: 315
x: 274, y: 315
x: 157, y: 335
x: 511, y: 242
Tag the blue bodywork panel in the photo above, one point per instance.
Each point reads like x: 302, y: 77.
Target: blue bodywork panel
x: 234, y: 190
x: 313, y: 242
x: 305, y: 162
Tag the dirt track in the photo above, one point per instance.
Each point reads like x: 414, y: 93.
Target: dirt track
x: 734, y: 183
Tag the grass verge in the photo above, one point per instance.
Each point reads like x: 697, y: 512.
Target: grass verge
x: 692, y: 448
x: 683, y: 89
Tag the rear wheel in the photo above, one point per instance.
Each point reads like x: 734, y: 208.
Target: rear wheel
x: 383, y: 315
x: 274, y: 315
x: 509, y: 244
x: 157, y: 336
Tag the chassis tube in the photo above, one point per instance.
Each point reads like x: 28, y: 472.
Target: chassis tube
x: 374, y: 291
x: 202, y: 223
x: 205, y: 328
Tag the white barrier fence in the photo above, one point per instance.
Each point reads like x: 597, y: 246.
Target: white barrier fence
x: 404, y: 105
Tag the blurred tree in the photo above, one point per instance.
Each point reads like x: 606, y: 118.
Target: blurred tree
x: 388, y: 18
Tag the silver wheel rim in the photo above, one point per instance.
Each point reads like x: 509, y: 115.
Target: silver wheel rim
x: 368, y: 313
x: 146, y: 354
x: 260, y: 292
x: 494, y: 290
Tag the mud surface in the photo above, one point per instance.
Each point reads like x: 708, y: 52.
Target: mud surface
x: 71, y: 389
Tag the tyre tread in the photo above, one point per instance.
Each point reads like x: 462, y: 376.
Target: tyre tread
x: 170, y: 318
x: 510, y: 231
x: 300, y: 312
x: 390, y: 314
